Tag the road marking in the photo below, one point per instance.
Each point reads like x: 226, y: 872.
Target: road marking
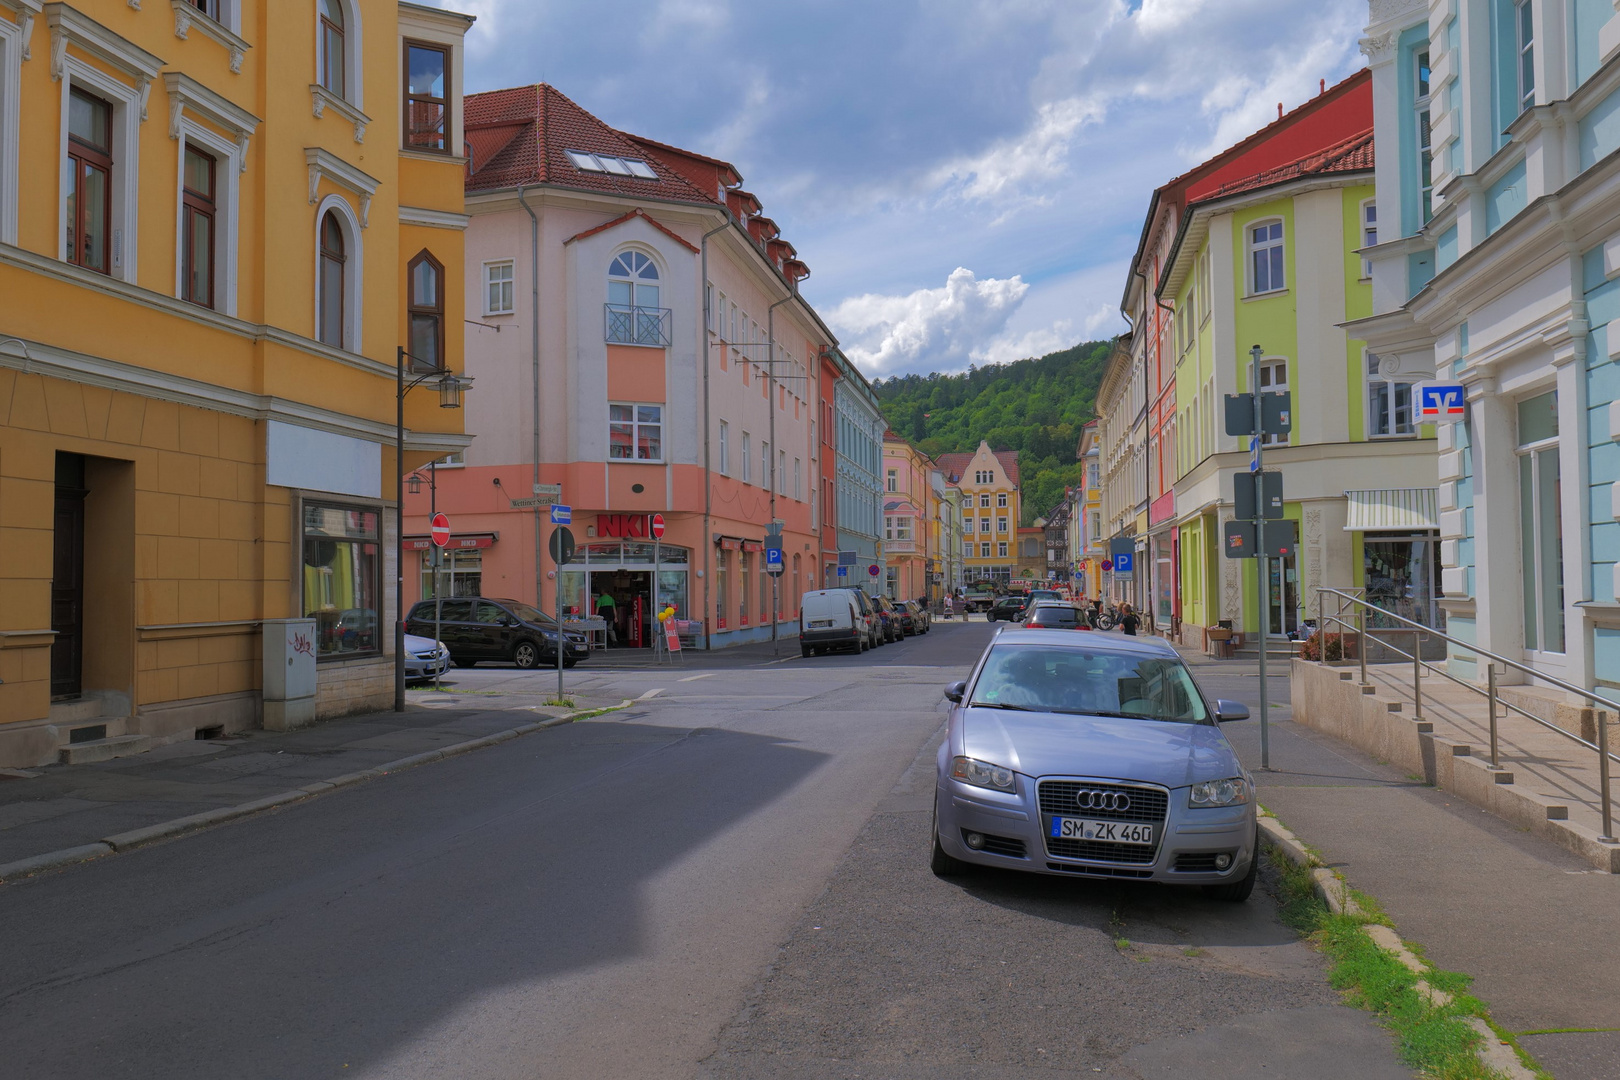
x: 654, y: 692
x: 694, y: 678
x: 784, y: 660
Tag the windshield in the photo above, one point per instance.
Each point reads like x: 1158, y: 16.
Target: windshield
x: 530, y: 615
x: 1056, y: 615
x: 1054, y: 679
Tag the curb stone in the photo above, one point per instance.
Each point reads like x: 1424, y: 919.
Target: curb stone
x: 125, y: 841
x: 1332, y: 890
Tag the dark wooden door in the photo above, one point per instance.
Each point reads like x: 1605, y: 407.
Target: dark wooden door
x: 67, y: 587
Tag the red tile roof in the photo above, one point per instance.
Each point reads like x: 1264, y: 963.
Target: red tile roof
x: 519, y: 136
x: 638, y: 212
x: 1354, y: 154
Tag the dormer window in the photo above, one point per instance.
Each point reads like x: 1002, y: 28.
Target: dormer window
x: 614, y: 166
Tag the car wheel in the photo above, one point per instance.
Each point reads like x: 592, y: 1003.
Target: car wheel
x: 1235, y: 892
x: 526, y: 655
x: 567, y: 663
x: 943, y: 863
x: 460, y: 662
x: 806, y: 652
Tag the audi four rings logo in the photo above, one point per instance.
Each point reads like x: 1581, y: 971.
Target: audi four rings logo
x: 1102, y: 800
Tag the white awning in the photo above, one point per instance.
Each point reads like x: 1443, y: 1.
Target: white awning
x: 1393, y: 510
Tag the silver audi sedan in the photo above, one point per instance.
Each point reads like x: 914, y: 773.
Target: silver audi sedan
x: 1093, y: 756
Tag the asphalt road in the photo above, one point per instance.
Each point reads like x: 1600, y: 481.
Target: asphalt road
x: 728, y: 879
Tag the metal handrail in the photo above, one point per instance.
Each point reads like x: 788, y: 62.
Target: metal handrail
x: 1361, y: 608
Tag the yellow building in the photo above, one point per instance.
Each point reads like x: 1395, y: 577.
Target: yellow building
x: 198, y: 336
x: 990, y: 506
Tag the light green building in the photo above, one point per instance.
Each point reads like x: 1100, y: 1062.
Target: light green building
x: 1272, y: 260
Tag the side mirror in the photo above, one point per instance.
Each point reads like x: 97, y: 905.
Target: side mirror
x: 1230, y: 710
x: 955, y: 691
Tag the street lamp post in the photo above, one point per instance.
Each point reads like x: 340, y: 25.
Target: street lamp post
x: 451, y: 386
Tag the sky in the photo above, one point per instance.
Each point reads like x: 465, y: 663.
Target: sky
x: 965, y: 178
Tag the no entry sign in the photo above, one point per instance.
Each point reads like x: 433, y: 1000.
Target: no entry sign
x: 657, y: 526
x: 440, y: 531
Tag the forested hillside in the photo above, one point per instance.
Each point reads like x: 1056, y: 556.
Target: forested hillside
x: 1035, y: 406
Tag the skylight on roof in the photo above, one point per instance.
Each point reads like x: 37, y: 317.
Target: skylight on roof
x: 607, y: 163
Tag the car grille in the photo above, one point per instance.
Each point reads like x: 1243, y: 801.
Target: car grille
x: 999, y: 845
x: 1099, y: 871
x: 1147, y: 804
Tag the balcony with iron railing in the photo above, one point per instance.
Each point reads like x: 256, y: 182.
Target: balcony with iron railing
x: 628, y: 325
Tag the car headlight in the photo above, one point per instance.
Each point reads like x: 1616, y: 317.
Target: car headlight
x: 982, y: 773
x: 1233, y: 792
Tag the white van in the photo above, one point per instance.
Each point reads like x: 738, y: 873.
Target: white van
x: 829, y: 619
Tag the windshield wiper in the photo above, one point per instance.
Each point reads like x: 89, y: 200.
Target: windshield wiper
x: 1002, y: 705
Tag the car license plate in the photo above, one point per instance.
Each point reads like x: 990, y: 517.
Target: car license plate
x: 820, y: 622
x: 1114, y: 832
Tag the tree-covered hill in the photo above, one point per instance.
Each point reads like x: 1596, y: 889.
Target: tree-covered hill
x: 1035, y: 406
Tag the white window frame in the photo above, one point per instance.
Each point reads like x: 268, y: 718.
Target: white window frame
x: 1369, y: 380
x: 984, y: 500
x: 1369, y: 233
x: 230, y: 157
x: 781, y: 472
x: 1524, y: 50
x: 984, y: 524
x: 747, y: 460
x: 1251, y: 249
x: 1271, y: 365
x: 725, y: 448
x: 1001, y: 549
x: 353, y: 275
x: 509, y: 265
x: 69, y: 28
x: 1421, y: 123
x: 967, y: 549
x: 1001, y: 500
x: 1001, y: 524
x: 636, y: 424
x: 984, y: 549
x: 798, y: 479
x: 14, y: 49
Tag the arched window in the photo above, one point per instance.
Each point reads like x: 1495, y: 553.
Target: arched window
x: 427, y: 311
x: 334, y: 48
x: 332, y: 287
x: 633, y: 314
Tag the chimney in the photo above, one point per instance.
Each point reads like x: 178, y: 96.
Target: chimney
x: 1279, y: 110
x: 1321, y: 86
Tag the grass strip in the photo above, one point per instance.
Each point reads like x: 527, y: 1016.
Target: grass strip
x: 1435, y: 1039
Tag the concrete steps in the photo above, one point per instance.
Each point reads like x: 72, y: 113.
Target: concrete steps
x: 82, y: 753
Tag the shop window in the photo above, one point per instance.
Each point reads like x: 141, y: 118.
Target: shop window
x: 722, y: 574
x: 426, y: 305
x: 767, y: 607
x: 636, y: 432
x: 343, y: 578
x: 427, y: 97
x: 1541, y: 530
x: 742, y: 588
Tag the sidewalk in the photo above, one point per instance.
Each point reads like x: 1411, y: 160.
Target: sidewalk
x: 1532, y: 923
x: 119, y: 803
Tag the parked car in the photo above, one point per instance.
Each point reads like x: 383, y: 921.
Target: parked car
x: 1009, y: 608
x: 1055, y: 616
x: 425, y: 658
x: 1044, y: 594
x: 476, y: 628
x: 915, y: 617
x: 831, y: 619
x: 1084, y: 755
x: 891, y: 618
x: 869, y: 615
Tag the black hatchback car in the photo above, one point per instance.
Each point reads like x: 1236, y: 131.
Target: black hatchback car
x: 474, y: 629
x: 1009, y: 608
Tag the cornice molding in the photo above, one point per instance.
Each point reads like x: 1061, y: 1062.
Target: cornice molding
x: 187, y: 17
x: 434, y: 219
x: 26, y: 10
x: 69, y: 26
x: 323, y: 99
x: 323, y: 164
x: 187, y: 93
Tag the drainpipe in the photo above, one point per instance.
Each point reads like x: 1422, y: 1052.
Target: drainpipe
x: 534, y: 319
x: 708, y: 486
x: 772, y: 472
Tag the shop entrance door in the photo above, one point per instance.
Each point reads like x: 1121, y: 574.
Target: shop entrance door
x: 1282, y: 607
x: 67, y: 579
x: 631, y: 616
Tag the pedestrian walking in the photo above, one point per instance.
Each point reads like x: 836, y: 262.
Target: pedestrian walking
x: 1129, y: 621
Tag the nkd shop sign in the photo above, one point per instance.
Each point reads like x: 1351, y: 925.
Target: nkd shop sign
x: 625, y: 526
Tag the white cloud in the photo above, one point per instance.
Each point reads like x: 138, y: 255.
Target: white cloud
x: 1041, y: 153
x: 931, y: 329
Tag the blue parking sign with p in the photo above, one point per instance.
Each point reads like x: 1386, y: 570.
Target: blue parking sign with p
x: 1441, y: 401
x: 1123, y: 562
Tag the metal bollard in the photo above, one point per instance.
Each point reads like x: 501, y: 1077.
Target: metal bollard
x: 1490, y: 697
x: 1603, y: 777
x: 1417, y: 678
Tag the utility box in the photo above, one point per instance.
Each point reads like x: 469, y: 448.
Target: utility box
x: 289, y: 673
